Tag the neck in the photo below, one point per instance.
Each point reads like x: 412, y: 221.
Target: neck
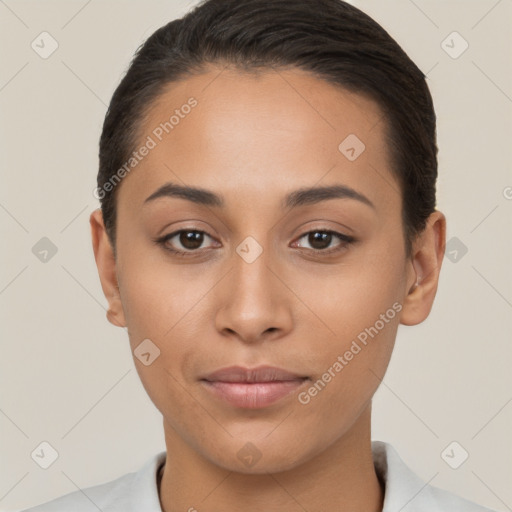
x: 341, y: 478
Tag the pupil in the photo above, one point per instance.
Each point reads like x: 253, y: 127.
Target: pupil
x: 319, y: 240
x: 191, y: 239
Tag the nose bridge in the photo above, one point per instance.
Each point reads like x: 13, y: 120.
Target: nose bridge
x: 254, y: 301
x: 252, y: 288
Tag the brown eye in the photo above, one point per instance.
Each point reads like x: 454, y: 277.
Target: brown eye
x: 319, y: 240
x: 185, y: 241
x: 324, y: 241
x: 191, y: 239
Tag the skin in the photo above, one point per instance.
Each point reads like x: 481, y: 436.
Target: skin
x: 252, y: 139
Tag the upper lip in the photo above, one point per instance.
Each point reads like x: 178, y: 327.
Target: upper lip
x: 258, y: 374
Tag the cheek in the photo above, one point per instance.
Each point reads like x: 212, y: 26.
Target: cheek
x: 170, y: 306
x: 358, y: 308
x: 158, y: 298
x: 160, y: 307
x: 350, y: 367
x: 348, y: 297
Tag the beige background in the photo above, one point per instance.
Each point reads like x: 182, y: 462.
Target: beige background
x: 67, y: 376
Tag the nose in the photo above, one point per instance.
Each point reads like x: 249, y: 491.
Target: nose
x: 254, y: 305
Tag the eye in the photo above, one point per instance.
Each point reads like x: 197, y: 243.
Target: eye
x: 190, y: 242
x: 184, y: 241
x: 324, y: 241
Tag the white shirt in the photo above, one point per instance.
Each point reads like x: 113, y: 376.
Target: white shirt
x: 138, y: 492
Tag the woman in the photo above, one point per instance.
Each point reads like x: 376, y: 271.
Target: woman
x: 267, y: 184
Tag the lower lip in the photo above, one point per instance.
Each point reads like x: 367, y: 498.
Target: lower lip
x: 255, y: 395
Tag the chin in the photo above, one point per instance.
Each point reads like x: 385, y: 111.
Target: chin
x: 263, y: 457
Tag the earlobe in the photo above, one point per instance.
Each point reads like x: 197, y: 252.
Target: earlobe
x: 425, y: 266
x: 107, y: 271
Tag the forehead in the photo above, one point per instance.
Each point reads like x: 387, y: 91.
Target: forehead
x: 271, y: 131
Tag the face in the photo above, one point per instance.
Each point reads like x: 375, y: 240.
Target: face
x: 273, y: 294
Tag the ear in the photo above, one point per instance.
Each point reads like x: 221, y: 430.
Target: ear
x: 423, y: 270
x: 106, y: 263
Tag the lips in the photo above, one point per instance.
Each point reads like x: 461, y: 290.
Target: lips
x: 260, y: 374
x: 252, y: 388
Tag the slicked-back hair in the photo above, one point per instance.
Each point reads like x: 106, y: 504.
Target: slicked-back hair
x: 331, y: 39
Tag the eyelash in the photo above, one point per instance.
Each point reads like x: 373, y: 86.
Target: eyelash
x: 345, y: 241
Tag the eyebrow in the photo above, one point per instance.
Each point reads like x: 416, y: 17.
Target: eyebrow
x: 301, y: 197
x: 196, y: 195
x: 305, y: 196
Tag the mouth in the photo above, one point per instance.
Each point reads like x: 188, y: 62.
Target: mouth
x: 252, y: 388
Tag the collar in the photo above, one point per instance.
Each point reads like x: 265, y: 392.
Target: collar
x: 404, y: 491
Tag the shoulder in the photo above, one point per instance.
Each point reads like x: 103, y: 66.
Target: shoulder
x: 445, y: 500
x: 128, y: 492
x: 89, y: 499
x: 405, y: 491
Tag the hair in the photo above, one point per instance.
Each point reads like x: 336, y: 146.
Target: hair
x: 330, y: 39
